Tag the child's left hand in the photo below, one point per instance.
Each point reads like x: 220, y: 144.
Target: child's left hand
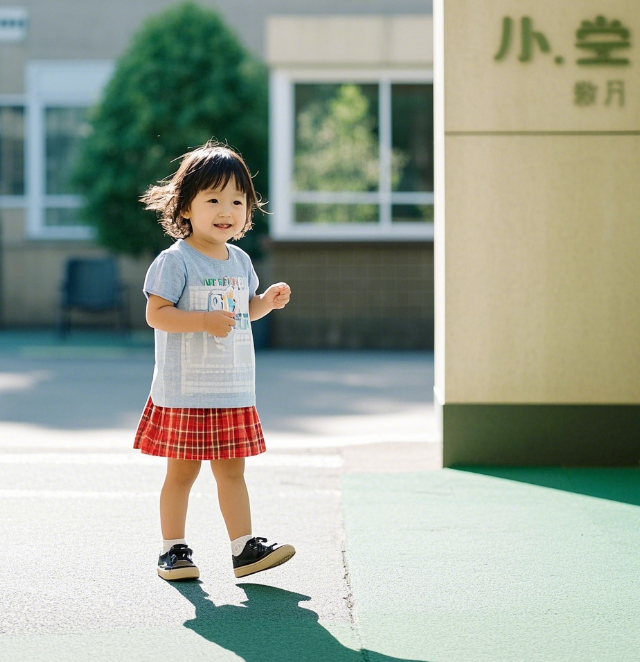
x: 277, y: 295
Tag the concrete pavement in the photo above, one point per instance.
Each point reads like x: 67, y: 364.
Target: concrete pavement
x: 79, y: 507
x: 396, y: 559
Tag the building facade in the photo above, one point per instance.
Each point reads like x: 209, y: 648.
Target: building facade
x: 351, y: 160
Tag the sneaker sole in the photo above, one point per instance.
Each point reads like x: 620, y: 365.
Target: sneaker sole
x: 278, y: 557
x: 179, y: 573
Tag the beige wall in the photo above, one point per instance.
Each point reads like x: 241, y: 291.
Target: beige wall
x: 370, y: 41
x: 537, y: 235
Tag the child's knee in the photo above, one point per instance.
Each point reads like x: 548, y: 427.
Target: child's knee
x: 232, y: 469
x: 183, y: 472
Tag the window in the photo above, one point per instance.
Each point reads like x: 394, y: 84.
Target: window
x: 64, y: 129
x: 11, y: 151
x: 60, y: 94
x: 412, y: 141
x: 352, y: 158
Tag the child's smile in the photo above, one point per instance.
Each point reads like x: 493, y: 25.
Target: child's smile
x: 216, y: 216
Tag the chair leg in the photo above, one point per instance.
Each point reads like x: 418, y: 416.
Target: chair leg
x: 125, y: 323
x: 63, y: 322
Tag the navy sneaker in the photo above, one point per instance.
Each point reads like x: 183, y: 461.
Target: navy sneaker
x: 177, y: 563
x: 256, y: 557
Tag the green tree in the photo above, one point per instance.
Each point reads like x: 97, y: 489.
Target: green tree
x: 337, y: 150
x: 184, y: 79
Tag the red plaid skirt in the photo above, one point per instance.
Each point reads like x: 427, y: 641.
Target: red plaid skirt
x: 199, y: 433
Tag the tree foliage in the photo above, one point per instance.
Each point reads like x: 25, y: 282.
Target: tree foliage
x: 184, y: 79
x: 337, y: 150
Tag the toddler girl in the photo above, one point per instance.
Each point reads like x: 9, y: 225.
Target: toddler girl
x: 201, y: 294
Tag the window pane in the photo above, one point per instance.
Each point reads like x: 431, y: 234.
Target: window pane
x: 11, y: 150
x: 64, y: 128
x: 336, y: 137
x: 331, y: 214
x: 62, y: 216
x: 412, y: 137
x: 412, y: 213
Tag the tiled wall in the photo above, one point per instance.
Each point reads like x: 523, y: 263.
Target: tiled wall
x: 374, y: 295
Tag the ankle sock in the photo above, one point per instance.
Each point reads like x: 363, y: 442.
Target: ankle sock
x: 238, y: 544
x: 168, y: 544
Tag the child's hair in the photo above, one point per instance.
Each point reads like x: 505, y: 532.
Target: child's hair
x: 211, y: 165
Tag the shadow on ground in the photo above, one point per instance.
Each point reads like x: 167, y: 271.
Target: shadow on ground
x: 99, y: 381
x: 614, y: 484
x: 271, y: 627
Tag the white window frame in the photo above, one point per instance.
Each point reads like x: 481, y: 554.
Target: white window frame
x: 58, y: 83
x: 282, y: 146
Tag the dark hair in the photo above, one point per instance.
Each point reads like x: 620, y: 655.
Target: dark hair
x: 211, y: 165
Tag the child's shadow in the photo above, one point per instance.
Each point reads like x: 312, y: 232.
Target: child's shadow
x: 272, y: 627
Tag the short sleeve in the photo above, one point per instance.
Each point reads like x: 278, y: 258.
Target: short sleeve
x: 253, y: 281
x: 166, y: 278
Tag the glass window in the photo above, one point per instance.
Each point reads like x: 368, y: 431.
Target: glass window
x: 64, y: 129
x: 412, y: 137
x: 11, y: 150
x: 327, y: 214
x: 336, y: 137
x: 412, y: 213
x: 340, y: 132
x: 61, y: 216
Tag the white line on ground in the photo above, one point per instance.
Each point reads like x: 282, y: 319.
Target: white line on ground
x: 137, y: 458
x: 75, y: 494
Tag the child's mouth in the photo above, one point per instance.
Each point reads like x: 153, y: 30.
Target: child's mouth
x: 223, y: 226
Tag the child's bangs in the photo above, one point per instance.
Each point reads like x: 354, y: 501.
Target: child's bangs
x: 216, y: 172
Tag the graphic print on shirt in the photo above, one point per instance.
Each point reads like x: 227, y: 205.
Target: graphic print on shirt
x: 204, y: 356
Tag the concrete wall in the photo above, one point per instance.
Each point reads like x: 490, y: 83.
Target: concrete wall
x: 343, y: 41
x: 75, y: 29
x: 536, y: 264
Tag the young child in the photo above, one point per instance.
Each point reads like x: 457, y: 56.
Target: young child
x: 201, y: 294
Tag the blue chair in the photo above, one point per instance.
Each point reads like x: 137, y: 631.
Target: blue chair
x: 92, y: 285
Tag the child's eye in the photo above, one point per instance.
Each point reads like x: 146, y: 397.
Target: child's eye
x: 238, y: 202
x: 213, y: 200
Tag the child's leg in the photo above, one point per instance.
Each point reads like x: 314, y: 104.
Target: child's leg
x: 174, y: 497
x: 233, y: 496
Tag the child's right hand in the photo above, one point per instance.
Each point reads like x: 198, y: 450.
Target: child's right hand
x: 219, y: 323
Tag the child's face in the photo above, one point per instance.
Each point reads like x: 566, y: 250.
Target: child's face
x: 217, y: 215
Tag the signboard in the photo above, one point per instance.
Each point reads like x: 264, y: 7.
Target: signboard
x: 13, y: 24
x: 563, y: 67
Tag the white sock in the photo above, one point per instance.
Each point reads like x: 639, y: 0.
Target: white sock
x: 238, y: 544
x: 168, y: 544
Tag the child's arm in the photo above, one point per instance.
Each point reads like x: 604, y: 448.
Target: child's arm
x: 275, y: 296
x: 163, y: 315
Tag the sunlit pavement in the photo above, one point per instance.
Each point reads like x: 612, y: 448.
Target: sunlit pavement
x: 80, y: 518
x: 397, y: 559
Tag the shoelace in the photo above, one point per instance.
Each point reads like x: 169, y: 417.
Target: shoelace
x: 256, y: 543
x: 181, y: 552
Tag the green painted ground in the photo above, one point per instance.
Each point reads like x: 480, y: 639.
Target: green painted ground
x: 78, y: 344
x: 497, y: 565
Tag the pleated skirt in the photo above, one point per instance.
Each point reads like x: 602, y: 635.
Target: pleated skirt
x: 188, y: 433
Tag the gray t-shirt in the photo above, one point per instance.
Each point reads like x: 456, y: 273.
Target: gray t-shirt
x: 198, y: 369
